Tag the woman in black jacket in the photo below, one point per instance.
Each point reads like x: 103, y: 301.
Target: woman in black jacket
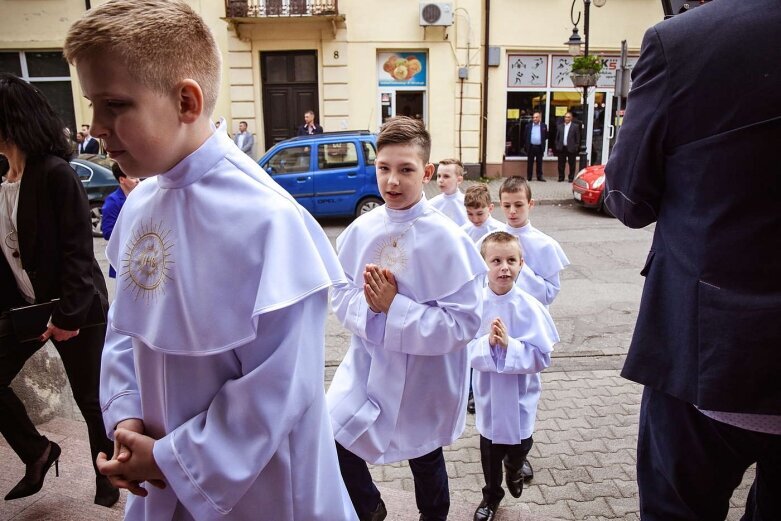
x: 47, y: 254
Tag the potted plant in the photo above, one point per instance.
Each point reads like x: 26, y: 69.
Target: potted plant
x: 238, y: 8
x: 585, y: 70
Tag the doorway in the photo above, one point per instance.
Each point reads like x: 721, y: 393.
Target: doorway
x: 398, y: 102
x: 289, y: 80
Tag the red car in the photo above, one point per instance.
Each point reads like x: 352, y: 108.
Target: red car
x: 588, y: 188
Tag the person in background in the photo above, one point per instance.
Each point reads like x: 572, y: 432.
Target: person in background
x: 309, y: 127
x: 244, y: 139
x: 47, y: 254
x: 113, y: 205
x: 536, y: 136
x: 567, y: 145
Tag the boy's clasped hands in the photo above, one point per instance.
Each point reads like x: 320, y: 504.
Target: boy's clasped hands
x: 133, y: 461
x: 379, y: 287
x: 498, y: 335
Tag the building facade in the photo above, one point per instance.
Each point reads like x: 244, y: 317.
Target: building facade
x: 357, y: 62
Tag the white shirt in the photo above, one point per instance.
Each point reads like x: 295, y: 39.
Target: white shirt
x: 9, y: 206
x: 506, y: 382
x: 566, y: 133
x: 401, y: 390
x: 477, y: 232
x: 216, y: 341
x: 452, y: 206
x: 543, y: 259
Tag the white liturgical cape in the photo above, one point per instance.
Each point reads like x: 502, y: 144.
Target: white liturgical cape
x: 452, y: 206
x: 506, y: 382
x: 543, y: 259
x: 401, y: 390
x: 477, y: 232
x: 215, y: 340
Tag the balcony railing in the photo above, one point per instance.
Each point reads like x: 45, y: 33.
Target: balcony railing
x: 280, y: 8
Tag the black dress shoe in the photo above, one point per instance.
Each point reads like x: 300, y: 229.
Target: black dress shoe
x: 561, y: 180
x: 35, y: 472
x: 514, y: 481
x: 571, y: 179
x: 486, y: 512
x: 379, y: 513
x: 541, y: 180
x: 527, y: 471
x: 470, y: 404
x: 106, y: 494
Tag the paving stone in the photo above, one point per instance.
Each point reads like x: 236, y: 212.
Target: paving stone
x: 558, y: 510
x: 595, y: 507
x: 602, y: 489
x: 566, y: 491
x: 576, y: 475
x: 622, y: 506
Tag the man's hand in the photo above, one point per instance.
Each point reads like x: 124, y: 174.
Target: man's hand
x: 498, y: 335
x: 379, y: 287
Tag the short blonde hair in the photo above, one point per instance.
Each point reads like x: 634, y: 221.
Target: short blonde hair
x: 161, y: 41
x: 477, y: 196
x: 515, y: 184
x: 500, y: 238
x: 403, y: 130
x: 458, y: 163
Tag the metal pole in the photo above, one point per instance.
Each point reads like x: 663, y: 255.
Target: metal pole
x: 584, y: 157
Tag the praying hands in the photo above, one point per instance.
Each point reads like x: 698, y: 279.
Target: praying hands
x: 133, y: 461
x: 379, y: 287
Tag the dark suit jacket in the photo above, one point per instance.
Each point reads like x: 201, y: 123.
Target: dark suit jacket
x: 573, y: 138
x: 91, y: 147
x: 528, y: 136
x: 302, y: 130
x: 694, y: 158
x: 55, y: 243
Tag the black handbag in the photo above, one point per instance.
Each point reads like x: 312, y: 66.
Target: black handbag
x: 29, y: 322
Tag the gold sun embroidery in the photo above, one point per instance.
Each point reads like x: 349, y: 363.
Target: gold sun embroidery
x: 147, y: 261
x: 390, y: 254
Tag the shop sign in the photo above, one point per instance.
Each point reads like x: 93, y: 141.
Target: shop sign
x: 525, y: 70
x: 401, y: 69
x: 562, y: 66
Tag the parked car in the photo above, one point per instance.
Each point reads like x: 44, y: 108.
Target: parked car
x: 588, y: 188
x: 95, y: 173
x: 330, y: 174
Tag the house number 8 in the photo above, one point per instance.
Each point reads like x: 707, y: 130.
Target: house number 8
x: 336, y: 55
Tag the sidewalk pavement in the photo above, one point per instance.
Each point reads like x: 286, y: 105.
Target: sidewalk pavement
x: 583, y: 456
x: 550, y: 192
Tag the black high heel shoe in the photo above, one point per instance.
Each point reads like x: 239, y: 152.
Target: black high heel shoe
x: 32, y: 481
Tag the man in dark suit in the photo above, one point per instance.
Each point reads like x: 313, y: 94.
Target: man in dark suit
x: 536, y: 136
x: 707, y: 344
x: 309, y: 127
x: 89, y: 145
x: 567, y: 145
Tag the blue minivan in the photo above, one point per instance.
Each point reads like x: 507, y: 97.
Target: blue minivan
x: 331, y: 174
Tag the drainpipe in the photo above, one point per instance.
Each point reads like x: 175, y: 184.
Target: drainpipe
x: 484, y: 129
x: 87, y: 5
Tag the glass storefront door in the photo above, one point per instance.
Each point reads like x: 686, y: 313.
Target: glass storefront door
x: 398, y: 102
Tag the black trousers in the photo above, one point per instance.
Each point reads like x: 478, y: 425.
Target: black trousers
x: 432, y: 494
x: 688, y: 465
x: 535, y: 156
x: 564, y: 158
x: 81, y: 357
x: 492, y: 458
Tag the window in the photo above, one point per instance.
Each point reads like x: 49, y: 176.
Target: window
x: 521, y: 106
x: 369, y: 153
x: 84, y: 172
x: 337, y: 155
x: 48, y: 71
x: 290, y: 160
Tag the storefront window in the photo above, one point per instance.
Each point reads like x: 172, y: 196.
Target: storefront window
x: 402, y: 84
x: 521, y: 106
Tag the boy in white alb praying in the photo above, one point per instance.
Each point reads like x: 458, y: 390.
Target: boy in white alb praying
x: 478, y: 205
x: 450, y: 175
x: 514, y: 344
x: 400, y: 392
x: 212, y: 371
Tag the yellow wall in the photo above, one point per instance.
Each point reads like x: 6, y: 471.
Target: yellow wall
x: 348, y: 87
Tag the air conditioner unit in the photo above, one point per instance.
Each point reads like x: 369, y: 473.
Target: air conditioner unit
x: 436, y: 13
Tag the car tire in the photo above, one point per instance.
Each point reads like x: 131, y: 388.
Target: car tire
x: 96, y: 216
x: 367, y: 204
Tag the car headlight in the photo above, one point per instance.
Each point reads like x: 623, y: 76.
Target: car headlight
x: 599, y: 182
x: 580, y: 173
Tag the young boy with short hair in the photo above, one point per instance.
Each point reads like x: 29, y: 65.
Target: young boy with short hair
x: 514, y: 344
x: 213, y: 365
x: 400, y: 392
x: 543, y: 256
x: 477, y: 201
x: 450, y: 175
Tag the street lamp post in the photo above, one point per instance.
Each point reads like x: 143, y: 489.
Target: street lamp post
x: 573, y: 45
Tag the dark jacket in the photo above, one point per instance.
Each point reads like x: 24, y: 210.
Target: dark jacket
x: 89, y: 147
x: 573, y: 138
x: 303, y: 130
x: 55, y: 243
x: 528, y: 136
x: 698, y: 160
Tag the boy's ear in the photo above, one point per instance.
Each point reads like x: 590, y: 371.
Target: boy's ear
x: 189, y: 97
x: 428, y: 172
x: 531, y: 203
x: 490, y: 207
